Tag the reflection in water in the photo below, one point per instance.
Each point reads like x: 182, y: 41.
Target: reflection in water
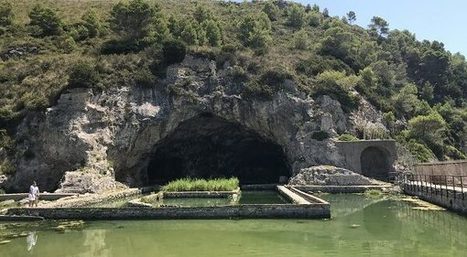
x: 384, y: 228
x: 94, y: 243
x: 31, y: 240
x: 347, y: 204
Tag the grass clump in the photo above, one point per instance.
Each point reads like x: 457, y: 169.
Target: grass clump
x: 189, y: 184
x: 347, y: 138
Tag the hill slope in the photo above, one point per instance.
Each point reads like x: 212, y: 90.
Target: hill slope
x: 48, y: 47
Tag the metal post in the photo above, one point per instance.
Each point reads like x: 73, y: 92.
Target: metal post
x: 431, y: 185
x: 462, y: 188
x: 446, y: 185
x: 454, y: 186
x: 418, y: 183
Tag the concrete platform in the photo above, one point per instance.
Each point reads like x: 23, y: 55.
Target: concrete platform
x: 20, y: 218
x: 301, y: 207
x: 42, y: 196
x: 342, y: 189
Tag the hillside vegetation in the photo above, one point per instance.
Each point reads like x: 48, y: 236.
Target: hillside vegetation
x: 48, y: 46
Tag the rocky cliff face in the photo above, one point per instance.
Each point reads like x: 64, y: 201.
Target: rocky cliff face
x: 114, y: 134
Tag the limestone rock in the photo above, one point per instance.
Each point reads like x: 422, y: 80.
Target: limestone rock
x: 113, y: 134
x: 7, y: 203
x: 329, y: 175
x: 3, y: 180
x: 138, y: 204
x: 88, y: 182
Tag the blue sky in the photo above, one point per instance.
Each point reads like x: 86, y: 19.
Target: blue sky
x: 444, y: 21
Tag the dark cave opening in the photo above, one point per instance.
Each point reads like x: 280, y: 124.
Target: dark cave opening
x: 375, y: 163
x: 211, y: 147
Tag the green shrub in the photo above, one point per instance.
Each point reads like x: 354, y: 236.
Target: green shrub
x: 46, y: 20
x: 420, y: 151
x: 188, y: 184
x: 133, y: 20
x: 238, y: 74
x: 318, y: 64
x: 454, y: 153
x: 119, y: 46
x: 228, y: 53
x: 7, y: 168
x: 337, y: 85
x: 320, y: 135
x: 67, y: 44
x: 202, y: 14
x: 92, y: 23
x: 6, y: 14
x: 173, y: 51
x: 144, y: 78
x: 314, y: 19
x: 296, y: 16
x: 347, y: 138
x: 275, y: 77
x: 255, y: 31
x: 254, y: 89
x: 83, y: 75
x: 272, y: 10
x: 6, y: 141
x: 300, y: 40
x: 213, y: 32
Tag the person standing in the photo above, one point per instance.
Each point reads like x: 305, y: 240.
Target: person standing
x: 33, y: 196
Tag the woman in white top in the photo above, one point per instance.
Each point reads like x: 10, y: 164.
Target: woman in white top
x: 33, y: 196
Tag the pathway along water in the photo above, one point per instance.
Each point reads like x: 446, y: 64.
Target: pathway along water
x: 360, y: 227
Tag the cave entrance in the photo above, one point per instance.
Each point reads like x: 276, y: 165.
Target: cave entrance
x: 211, y: 147
x: 375, y: 163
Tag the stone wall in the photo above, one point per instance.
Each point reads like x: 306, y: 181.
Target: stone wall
x: 276, y: 211
x: 343, y: 189
x: 448, y: 199
x: 354, y: 151
x: 449, y: 168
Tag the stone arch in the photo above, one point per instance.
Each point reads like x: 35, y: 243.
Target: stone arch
x: 375, y: 163
x: 208, y: 146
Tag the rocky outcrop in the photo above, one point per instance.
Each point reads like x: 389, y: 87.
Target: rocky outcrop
x: 113, y: 134
x: 19, y: 51
x: 88, y: 182
x: 330, y: 175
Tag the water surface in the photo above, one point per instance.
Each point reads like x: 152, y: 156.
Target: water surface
x: 360, y: 227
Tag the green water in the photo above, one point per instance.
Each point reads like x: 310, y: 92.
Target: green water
x: 196, y: 202
x: 261, y: 197
x: 247, y: 197
x: 381, y: 228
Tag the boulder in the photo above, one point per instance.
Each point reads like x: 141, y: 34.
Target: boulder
x: 330, y: 175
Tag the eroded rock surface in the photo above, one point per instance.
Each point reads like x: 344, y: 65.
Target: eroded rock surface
x: 114, y: 134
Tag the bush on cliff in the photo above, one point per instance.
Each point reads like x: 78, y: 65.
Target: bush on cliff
x: 83, y: 75
x: 173, y: 51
